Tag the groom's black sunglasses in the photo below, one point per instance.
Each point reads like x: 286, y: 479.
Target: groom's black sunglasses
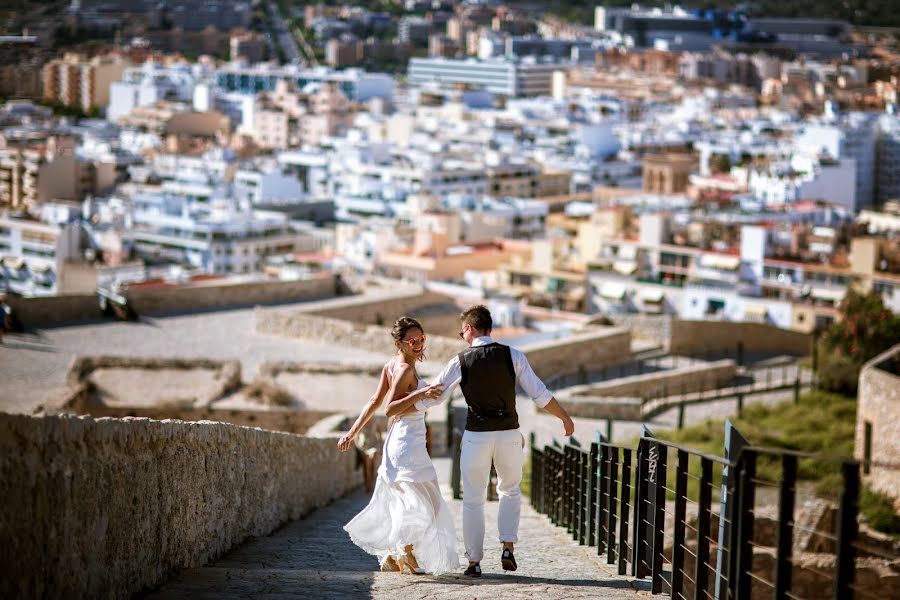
x: 460, y: 334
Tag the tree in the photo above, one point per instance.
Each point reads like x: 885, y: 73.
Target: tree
x: 865, y: 329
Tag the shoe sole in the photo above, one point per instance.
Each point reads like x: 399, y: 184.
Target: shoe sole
x: 508, y: 564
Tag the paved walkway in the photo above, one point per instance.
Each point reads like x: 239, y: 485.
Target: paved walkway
x: 313, y: 558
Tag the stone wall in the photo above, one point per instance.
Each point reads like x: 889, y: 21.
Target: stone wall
x: 374, y: 338
x: 591, y: 350
x: 439, y: 314
x: 47, y: 310
x: 108, y: 507
x: 597, y: 407
x: 151, y: 300
x: 652, y: 328
x: 693, y: 378
x: 228, y: 372
x: 879, y: 406
x: 696, y: 338
x: 80, y: 401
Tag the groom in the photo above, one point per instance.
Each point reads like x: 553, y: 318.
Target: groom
x: 487, y: 373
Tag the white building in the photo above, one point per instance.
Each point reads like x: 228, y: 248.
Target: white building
x: 852, y: 137
x: 267, y: 186
x: 356, y: 84
x: 151, y: 82
x: 218, y: 239
x: 33, y: 254
x: 508, y: 77
x: 807, y: 178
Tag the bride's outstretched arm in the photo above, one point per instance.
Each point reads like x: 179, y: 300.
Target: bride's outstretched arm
x: 368, y: 411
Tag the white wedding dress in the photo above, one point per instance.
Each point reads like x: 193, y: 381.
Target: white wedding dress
x: 407, y: 506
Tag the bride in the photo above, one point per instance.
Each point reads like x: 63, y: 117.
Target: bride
x: 406, y: 524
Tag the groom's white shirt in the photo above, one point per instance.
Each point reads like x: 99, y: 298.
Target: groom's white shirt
x: 451, y: 376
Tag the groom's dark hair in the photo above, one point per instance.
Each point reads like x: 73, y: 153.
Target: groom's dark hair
x: 479, y: 317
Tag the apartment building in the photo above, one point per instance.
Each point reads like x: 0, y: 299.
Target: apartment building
x: 34, y: 254
x: 77, y: 81
x: 42, y: 168
x: 357, y: 85
x: 508, y: 77
x: 527, y: 181
x: 216, y: 240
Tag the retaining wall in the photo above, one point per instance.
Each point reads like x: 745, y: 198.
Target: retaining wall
x: 108, y: 507
x: 45, y: 310
x: 150, y: 300
x: 695, y: 338
x: 879, y: 406
x: 708, y: 376
x: 340, y: 333
x: 591, y: 350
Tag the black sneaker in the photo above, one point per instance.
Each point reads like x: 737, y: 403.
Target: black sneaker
x: 508, y: 560
x: 473, y: 571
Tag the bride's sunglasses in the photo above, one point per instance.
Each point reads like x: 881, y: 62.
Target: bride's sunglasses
x: 415, y: 341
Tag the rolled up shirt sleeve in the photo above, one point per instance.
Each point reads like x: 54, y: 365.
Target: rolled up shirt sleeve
x: 449, y: 378
x: 529, y: 381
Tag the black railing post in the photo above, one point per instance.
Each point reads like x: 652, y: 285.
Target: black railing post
x: 592, y: 494
x: 847, y: 530
x: 572, y: 461
x: 681, y: 414
x: 659, y: 518
x: 532, y: 459
x: 740, y: 578
x: 578, y: 504
x: 611, y: 523
x: 556, y: 498
x: 797, y: 388
x: 786, y: 497
x: 639, y: 545
x: 678, y: 536
x: 740, y: 405
x: 602, y: 501
x: 624, y: 509
x: 585, y: 511
x: 552, y: 475
x: 564, y: 489
x: 704, y: 504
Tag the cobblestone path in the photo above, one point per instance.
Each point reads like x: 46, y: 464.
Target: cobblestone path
x: 313, y: 558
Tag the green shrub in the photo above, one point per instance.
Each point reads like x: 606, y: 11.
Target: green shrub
x: 866, y: 328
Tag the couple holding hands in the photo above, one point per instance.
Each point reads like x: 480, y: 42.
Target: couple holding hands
x: 407, y: 524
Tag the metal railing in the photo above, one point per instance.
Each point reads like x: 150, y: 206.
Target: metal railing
x: 691, y: 522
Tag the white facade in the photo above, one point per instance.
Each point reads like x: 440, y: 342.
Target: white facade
x: 269, y: 187
x: 853, y: 138
x: 506, y: 77
x: 832, y: 182
x: 219, y: 240
x: 150, y: 83
x: 33, y: 254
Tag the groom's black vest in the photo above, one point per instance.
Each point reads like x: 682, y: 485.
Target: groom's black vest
x: 489, y: 386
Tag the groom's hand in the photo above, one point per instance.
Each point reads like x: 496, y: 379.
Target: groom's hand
x: 568, y: 425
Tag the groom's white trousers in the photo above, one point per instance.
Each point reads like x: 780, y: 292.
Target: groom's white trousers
x: 506, y: 450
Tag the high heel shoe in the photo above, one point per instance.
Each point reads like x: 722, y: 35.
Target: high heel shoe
x: 404, y: 564
x: 389, y: 565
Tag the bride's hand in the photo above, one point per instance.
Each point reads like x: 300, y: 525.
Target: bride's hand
x: 345, y: 441
x: 434, y: 391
